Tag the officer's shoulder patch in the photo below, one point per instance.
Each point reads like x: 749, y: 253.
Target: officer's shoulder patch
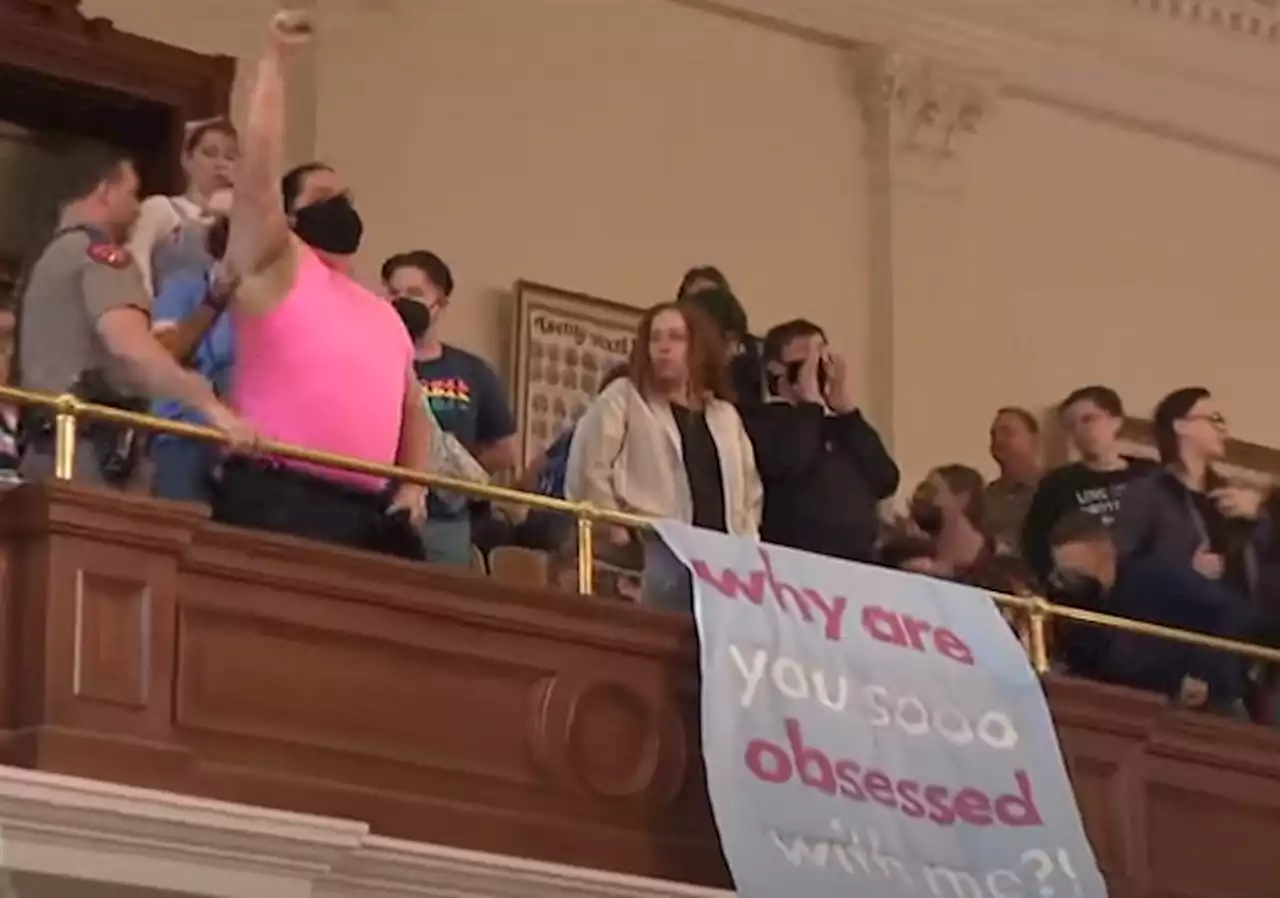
x: 110, y: 254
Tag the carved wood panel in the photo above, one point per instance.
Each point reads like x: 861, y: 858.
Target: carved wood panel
x: 84, y: 75
x: 443, y: 707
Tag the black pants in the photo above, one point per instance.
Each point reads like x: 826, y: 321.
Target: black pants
x: 267, y: 496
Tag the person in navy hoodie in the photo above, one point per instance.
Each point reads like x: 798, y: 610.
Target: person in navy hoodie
x: 1187, y: 514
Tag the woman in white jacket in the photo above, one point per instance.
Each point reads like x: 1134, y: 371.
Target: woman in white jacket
x: 667, y: 442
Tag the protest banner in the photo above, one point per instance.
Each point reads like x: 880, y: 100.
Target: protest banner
x: 869, y: 732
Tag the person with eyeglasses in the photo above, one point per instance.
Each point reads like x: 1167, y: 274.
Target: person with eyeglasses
x: 1187, y: 514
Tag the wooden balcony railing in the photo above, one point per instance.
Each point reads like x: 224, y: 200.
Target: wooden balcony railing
x: 147, y: 645
x: 1038, y: 611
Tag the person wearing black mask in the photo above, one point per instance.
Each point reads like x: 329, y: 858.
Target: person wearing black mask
x: 947, y: 507
x: 463, y: 392
x: 322, y: 214
x: 296, y: 316
x: 1089, y: 573
x: 823, y: 466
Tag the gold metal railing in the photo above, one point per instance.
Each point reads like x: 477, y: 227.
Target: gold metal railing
x: 1038, y: 611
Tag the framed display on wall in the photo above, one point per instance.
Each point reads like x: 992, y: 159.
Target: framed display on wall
x: 564, y: 343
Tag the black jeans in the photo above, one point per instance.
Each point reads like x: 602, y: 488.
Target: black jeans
x: 264, y: 495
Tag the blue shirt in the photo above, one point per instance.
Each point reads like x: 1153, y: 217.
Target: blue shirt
x: 182, y: 293
x: 551, y: 479
x: 469, y: 402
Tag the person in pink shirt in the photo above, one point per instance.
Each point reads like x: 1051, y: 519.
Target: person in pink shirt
x: 321, y: 362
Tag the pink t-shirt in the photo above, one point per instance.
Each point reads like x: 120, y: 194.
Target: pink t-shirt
x: 326, y: 369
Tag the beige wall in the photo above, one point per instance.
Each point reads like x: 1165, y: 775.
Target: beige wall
x: 234, y: 28
x: 605, y: 145
x: 602, y: 147
x: 1081, y: 252
x: 230, y: 27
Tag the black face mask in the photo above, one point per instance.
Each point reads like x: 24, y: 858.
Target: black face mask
x: 415, y: 315
x: 1078, y: 589
x: 928, y: 517
x: 331, y: 226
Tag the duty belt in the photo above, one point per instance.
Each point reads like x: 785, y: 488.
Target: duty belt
x: 116, y: 448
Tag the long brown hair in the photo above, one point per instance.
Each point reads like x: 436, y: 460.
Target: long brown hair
x: 705, y: 354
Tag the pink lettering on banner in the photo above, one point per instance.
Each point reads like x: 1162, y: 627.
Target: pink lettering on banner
x: 839, y: 704
x: 811, y: 606
x: 909, y: 632
x: 790, y: 599
x: 942, y: 805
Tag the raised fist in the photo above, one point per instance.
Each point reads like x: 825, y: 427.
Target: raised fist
x: 291, y: 27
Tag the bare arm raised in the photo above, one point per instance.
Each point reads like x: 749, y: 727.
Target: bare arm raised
x: 261, y: 249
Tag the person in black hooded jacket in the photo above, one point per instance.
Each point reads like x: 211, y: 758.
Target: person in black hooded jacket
x: 823, y: 466
x: 1188, y: 514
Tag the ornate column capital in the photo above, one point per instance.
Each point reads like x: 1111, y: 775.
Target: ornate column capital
x: 925, y: 107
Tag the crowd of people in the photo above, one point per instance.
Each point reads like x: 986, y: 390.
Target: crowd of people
x: 1169, y: 541
x: 234, y: 305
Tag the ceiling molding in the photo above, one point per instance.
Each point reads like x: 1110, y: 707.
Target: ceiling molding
x: 926, y: 105
x: 1116, y: 60
x: 135, y: 843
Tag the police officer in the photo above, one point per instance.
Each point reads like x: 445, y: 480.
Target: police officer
x: 84, y: 319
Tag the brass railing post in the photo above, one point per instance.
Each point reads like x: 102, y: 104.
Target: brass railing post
x: 1039, y: 615
x: 586, y: 549
x: 64, y: 437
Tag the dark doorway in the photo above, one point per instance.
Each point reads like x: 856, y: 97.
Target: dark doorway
x: 41, y: 118
x: 65, y: 77
x: 51, y: 105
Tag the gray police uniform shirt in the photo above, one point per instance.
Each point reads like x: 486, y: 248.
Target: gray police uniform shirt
x: 80, y: 276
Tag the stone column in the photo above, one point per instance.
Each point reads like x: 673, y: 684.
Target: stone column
x: 918, y: 114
